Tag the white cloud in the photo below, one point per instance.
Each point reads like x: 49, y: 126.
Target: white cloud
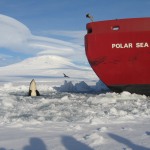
x: 76, y: 36
x: 54, y: 46
x: 13, y: 33
x: 17, y: 37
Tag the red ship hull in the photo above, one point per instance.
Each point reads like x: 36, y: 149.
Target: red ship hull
x: 119, y: 53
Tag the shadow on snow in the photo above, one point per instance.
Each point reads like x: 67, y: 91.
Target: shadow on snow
x: 69, y: 143
x: 127, y: 142
x: 34, y: 144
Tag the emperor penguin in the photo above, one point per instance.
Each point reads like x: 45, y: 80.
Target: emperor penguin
x: 32, y: 89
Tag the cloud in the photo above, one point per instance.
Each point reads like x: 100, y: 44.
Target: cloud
x: 54, y: 46
x: 75, y: 36
x: 15, y: 36
x: 8, y: 59
x: 13, y: 33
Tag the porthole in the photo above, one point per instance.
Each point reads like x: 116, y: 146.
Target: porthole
x: 115, y: 28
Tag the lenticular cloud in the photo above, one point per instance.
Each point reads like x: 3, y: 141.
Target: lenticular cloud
x: 17, y: 37
x: 13, y: 33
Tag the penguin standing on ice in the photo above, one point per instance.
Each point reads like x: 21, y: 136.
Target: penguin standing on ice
x: 32, y: 89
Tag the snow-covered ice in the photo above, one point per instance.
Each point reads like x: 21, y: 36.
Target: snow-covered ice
x: 76, y: 113
x: 69, y: 121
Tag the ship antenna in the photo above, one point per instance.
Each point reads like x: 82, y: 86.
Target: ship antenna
x: 90, y: 17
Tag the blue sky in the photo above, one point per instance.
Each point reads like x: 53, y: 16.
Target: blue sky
x: 64, y: 20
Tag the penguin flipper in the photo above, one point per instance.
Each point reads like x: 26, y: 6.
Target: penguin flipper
x: 37, y: 93
x: 29, y: 93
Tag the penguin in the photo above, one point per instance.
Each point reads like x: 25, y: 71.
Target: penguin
x: 32, y: 89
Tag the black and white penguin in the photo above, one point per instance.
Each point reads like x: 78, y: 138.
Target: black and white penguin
x: 32, y: 89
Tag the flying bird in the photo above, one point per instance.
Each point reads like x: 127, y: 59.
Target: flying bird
x: 66, y: 76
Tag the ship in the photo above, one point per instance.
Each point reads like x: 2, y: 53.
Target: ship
x: 119, y: 53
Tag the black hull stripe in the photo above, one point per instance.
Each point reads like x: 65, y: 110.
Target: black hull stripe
x: 138, y: 89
